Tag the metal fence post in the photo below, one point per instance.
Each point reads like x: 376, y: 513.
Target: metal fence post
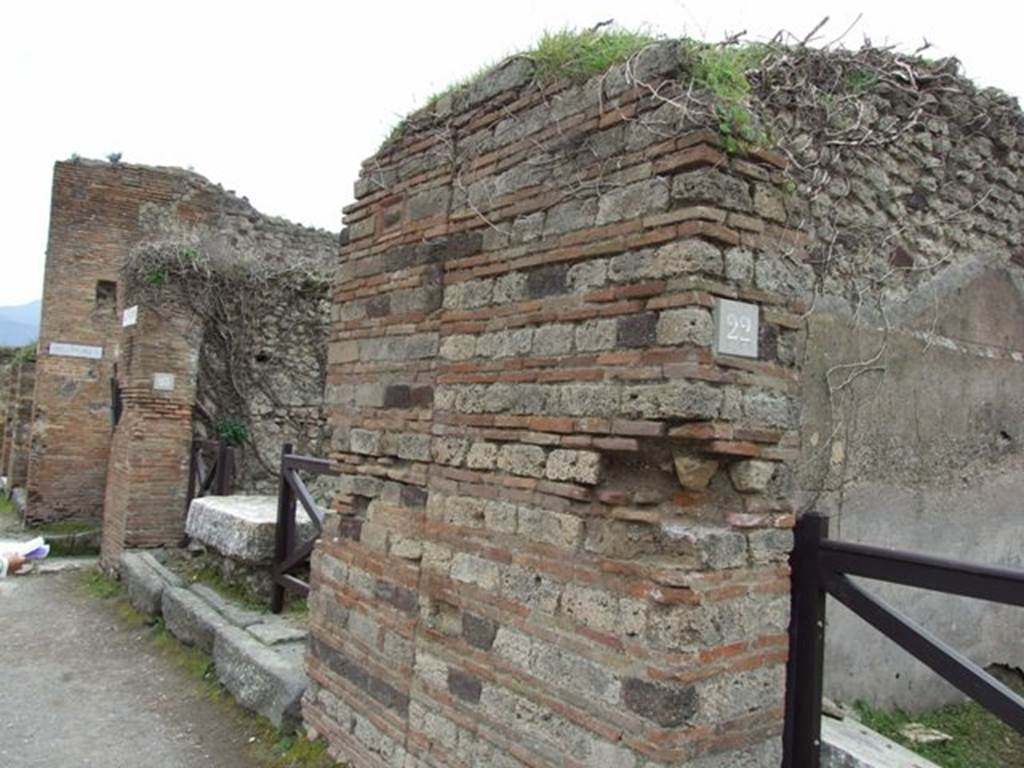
x: 192, y: 469
x: 802, y: 735
x: 222, y: 461
x: 283, y: 533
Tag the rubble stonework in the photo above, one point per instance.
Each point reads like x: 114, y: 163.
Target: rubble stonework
x: 517, y: 575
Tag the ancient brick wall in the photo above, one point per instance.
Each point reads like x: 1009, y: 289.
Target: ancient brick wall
x: 8, y: 380
x: 18, y: 426
x: 149, y: 456
x: 99, y: 212
x: 563, y: 520
x: 167, y: 373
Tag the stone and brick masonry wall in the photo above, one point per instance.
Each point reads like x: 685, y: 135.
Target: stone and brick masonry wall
x: 563, y: 520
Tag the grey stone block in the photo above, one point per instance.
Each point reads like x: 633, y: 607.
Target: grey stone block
x: 522, y: 459
x: 680, y: 399
x: 713, y: 187
x: 240, y: 527
x: 752, y: 475
x: 633, y: 200
x: 260, y: 679
x: 240, y: 617
x: 144, y: 585
x: 190, y: 619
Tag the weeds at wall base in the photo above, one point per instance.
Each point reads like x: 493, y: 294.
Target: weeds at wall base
x: 269, y: 747
x: 980, y: 739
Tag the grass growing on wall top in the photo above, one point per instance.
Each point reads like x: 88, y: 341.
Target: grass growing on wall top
x: 722, y: 70
x: 568, y: 54
x: 577, y: 55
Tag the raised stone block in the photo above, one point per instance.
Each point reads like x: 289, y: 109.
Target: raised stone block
x: 168, y: 576
x: 239, y: 527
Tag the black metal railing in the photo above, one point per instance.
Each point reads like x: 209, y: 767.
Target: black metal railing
x: 290, y: 554
x: 211, y: 470
x: 823, y: 566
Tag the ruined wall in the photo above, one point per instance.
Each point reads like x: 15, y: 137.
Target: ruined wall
x: 269, y: 374
x: 101, y: 214
x: 911, y: 179
x: 8, y: 378
x: 18, y: 424
x: 93, y: 218
x: 194, y: 246
x: 563, y: 520
x: 913, y: 412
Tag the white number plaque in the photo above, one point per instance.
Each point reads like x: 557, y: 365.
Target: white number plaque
x: 163, y: 382
x: 736, y: 328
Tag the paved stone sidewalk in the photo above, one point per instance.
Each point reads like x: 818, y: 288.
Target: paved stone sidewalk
x: 80, y: 689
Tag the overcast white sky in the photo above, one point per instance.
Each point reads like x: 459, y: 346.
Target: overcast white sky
x: 281, y: 101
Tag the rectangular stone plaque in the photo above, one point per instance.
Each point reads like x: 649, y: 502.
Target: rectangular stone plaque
x: 130, y: 316
x: 60, y: 349
x: 163, y: 382
x: 736, y: 328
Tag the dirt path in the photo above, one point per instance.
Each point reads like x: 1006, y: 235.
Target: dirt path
x: 79, y: 688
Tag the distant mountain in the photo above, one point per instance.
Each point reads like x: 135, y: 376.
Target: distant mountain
x: 19, y: 325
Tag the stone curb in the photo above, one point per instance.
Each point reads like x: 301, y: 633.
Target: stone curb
x: 145, y: 584
x: 257, y: 657
x: 191, y: 620
x: 260, y: 679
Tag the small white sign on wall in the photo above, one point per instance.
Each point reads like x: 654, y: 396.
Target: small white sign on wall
x: 736, y: 328
x: 60, y: 349
x: 163, y: 382
x: 130, y: 316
